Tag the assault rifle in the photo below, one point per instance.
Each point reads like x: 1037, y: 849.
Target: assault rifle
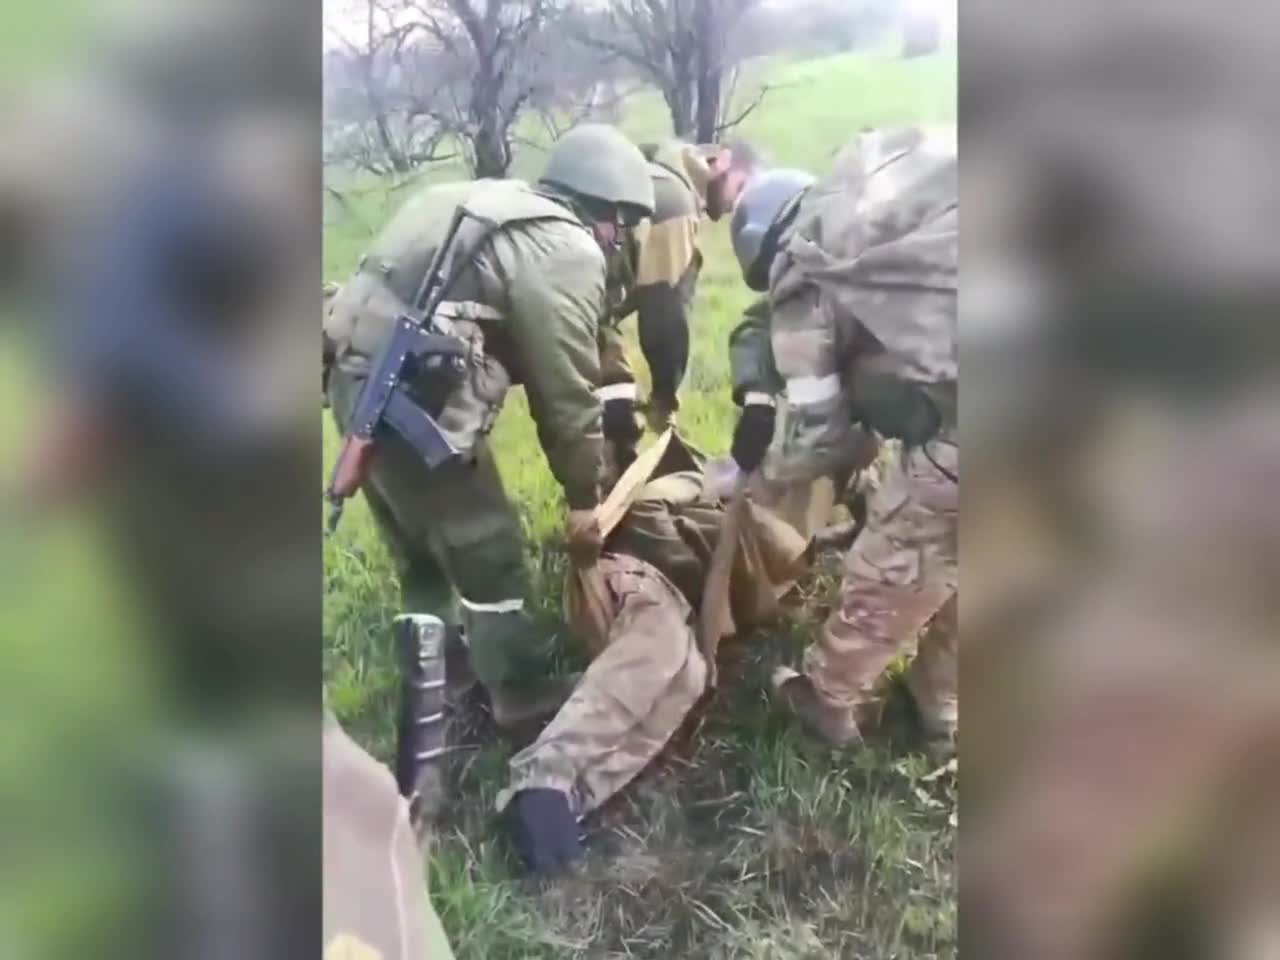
x: 384, y: 402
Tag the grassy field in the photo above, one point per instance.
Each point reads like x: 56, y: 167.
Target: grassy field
x: 747, y: 839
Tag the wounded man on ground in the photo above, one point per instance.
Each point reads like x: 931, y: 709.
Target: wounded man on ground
x: 636, y: 611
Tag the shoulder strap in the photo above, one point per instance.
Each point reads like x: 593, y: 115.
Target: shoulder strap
x: 678, y: 174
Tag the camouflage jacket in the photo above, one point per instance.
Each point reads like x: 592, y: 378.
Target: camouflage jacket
x: 861, y: 292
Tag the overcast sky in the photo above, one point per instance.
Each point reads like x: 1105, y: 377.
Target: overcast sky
x: 340, y: 17
x: 347, y: 18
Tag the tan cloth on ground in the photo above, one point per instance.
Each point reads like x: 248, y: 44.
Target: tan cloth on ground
x: 587, y: 603
x: 666, y: 479
x: 375, y: 894
x: 636, y: 614
x: 633, y: 697
x: 805, y: 507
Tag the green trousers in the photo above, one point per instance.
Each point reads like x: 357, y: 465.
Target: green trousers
x: 453, y: 530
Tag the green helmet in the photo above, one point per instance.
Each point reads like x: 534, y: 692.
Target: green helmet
x: 760, y: 216
x: 597, y: 162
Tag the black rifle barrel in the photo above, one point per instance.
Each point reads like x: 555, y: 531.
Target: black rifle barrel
x: 432, y: 289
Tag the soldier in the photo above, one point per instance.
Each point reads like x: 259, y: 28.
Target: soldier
x: 659, y: 280
x: 858, y: 327
x: 526, y: 288
x: 634, y: 611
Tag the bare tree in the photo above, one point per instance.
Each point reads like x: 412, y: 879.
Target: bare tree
x: 486, y: 64
x: 583, y: 81
x: 681, y: 46
x: 816, y: 27
x: 370, y: 121
x: 429, y: 73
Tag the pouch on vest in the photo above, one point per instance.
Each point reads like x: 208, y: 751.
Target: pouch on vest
x: 896, y: 409
x: 471, y: 407
x: 814, y: 439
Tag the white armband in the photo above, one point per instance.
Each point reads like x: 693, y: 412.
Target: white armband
x: 617, y: 391
x: 802, y: 390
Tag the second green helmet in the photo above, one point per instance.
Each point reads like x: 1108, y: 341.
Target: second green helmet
x: 596, y: 161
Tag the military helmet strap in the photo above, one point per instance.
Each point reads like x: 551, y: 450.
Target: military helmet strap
x: 559, y: 193
x: 771, y: 243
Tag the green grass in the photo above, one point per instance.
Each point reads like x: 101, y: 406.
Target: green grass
x: 747, y: 839
x: 34, y: 37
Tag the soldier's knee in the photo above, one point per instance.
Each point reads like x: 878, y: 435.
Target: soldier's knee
x: 423, y: 587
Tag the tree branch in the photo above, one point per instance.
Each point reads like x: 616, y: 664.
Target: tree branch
x: 748, y: 110
x: 654, y: 69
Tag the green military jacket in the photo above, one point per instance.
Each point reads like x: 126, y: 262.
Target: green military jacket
x: 525, y: 270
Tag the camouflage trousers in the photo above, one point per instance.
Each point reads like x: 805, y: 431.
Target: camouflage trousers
x: 631, y: 700
x: 900, y: 575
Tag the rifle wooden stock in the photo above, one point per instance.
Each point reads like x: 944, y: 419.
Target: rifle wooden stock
x: 352, y: 466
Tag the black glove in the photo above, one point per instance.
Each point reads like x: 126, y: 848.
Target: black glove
x: 621, y: 429
x: 546, y: 831
x: 620, y: 425
x: 752, y: 436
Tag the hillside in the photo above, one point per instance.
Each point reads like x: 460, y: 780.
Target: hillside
x: 748, y: 839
